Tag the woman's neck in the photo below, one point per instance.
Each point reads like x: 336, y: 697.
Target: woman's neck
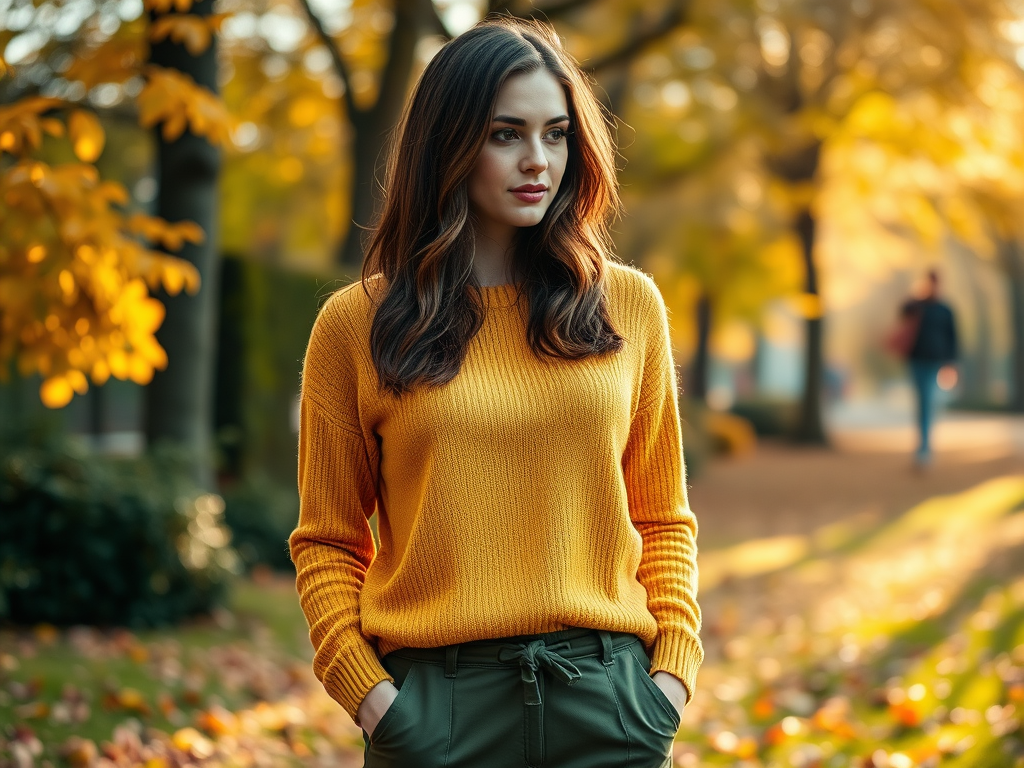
x: 492, y: 255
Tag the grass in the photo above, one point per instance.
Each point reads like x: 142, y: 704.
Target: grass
x: 897, y: 644
x: 865, y: 644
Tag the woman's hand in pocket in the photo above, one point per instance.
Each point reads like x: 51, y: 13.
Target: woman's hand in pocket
x: 673, y: 688
x: 375, y: 705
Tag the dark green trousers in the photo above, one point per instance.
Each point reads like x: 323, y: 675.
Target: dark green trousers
x: 579, y: 698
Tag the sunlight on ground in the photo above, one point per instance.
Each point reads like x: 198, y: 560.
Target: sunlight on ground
x: 867, y: 644
x: 880, y: 646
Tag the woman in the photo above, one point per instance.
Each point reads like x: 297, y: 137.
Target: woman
x: 503, y: 395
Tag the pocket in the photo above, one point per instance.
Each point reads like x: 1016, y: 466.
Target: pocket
x: 393, y: 711
x: 652, y: 688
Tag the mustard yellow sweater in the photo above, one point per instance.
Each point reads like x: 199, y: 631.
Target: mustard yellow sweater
x: 523, y: 496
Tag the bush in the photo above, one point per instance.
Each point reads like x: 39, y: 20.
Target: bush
x: 731, y: 435
x: 769, y: 417
x: 696, y: 444
x: 98, y: 540
x: 261, y: 515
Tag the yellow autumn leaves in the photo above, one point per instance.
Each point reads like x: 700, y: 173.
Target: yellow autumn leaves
x: 75, y: 275
x: 174, y: 99
x: 194, y: 32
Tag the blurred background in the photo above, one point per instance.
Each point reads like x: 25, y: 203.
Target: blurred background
x: 182, y: 185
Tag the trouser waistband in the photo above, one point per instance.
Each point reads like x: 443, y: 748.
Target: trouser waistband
x: 551, y: 651
x: 571, y: 644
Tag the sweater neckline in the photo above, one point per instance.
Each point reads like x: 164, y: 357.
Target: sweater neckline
x: 499, y: 296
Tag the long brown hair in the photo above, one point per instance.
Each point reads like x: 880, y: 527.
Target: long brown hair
x: 422, y: 242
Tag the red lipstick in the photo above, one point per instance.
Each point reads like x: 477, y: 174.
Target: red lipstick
x: 530, y: 193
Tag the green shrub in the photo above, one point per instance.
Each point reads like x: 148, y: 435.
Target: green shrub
x: 261, y: 515
x: 99, y: 540
x: 769, y: 417
x: 696, y: 443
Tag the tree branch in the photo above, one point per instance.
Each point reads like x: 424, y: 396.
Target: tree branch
x: 674, y: 17
x: 340, y: 67
x: 435, y: 21
x: 554, y: 10
x: 499, y: 6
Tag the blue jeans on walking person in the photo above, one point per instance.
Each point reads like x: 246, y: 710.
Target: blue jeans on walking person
x: 924, y: 374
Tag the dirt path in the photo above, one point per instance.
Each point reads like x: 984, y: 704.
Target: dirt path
x: 782, y: 489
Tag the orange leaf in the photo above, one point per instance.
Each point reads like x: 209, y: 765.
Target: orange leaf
x: 100, y: 372
x: 191, y: 31
x: 175, y: 99
x: 86, y: 133
x: 140, y: 371
x: 164, y: 6
x: 192, y: 741
x: 216, y: 20
x: 217, y: 721
x: 56, y: 392
x: 79, y: 752
x: 131, y: 699
x: 116, y: 61
x: 905, y: 714
x: 774, y: 735
x: 764, y: 706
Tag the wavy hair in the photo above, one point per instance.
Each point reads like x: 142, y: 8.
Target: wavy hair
x: 422, y: 241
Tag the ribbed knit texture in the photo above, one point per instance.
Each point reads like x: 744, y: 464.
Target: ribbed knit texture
x: 526, y: 495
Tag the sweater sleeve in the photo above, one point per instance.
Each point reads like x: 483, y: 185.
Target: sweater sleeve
x: 656, y: 486
x: 332, y: 547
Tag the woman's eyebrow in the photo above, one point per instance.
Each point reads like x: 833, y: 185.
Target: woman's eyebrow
x: 519, y: 121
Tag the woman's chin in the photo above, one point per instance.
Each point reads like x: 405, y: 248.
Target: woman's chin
x: 529, y: 218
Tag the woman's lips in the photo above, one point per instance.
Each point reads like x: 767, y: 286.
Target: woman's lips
x: 528, y: 195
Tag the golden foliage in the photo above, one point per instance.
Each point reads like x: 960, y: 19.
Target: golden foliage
x: 116, y: 61
x: 22, y: 125
x: 176, y: 100
x: 74, y: 281
x: 165, y: 6
x: 194, y: 32
x: 75, y: 270
x: 87, y: 136
x: 173, y: 236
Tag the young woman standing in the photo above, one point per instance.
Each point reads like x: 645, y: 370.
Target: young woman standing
x: 502, y: 393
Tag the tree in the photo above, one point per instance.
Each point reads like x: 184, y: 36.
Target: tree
x: 376, y: 79
x: 929, y: 169
x: 75, y: 277
x: 804, y: 68
x: 179, y: 400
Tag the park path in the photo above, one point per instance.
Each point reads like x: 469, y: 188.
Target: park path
x: 782, y: 489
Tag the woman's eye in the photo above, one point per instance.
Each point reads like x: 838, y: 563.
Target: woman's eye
x: 557, y: 134
x: 505, y: 134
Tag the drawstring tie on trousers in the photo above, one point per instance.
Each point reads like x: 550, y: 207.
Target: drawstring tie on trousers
x: 531, y: 657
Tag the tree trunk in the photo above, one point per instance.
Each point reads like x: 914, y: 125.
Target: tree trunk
x: 977, y: 367
x: 800, y: 165
x: 1013, y: 262
x: 811, y: 428
x: 179, y: 399
x: 699, y: 369
x: 367, y: 147
x: 370, y: 128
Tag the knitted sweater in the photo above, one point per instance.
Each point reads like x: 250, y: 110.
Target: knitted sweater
x: 526, y: 495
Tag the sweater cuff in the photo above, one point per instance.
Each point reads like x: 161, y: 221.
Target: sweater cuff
x: 354, y: 671
x: 680, y: 655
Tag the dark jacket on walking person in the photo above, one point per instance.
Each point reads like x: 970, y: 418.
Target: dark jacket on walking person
x: 927, y: 339
x: 936, y: 330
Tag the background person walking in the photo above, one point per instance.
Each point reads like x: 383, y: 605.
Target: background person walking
x: 927, y: 339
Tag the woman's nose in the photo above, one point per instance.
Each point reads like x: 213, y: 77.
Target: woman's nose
x: 534, y: 158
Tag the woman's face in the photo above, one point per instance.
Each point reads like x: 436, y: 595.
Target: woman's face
x: 518, y: 171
